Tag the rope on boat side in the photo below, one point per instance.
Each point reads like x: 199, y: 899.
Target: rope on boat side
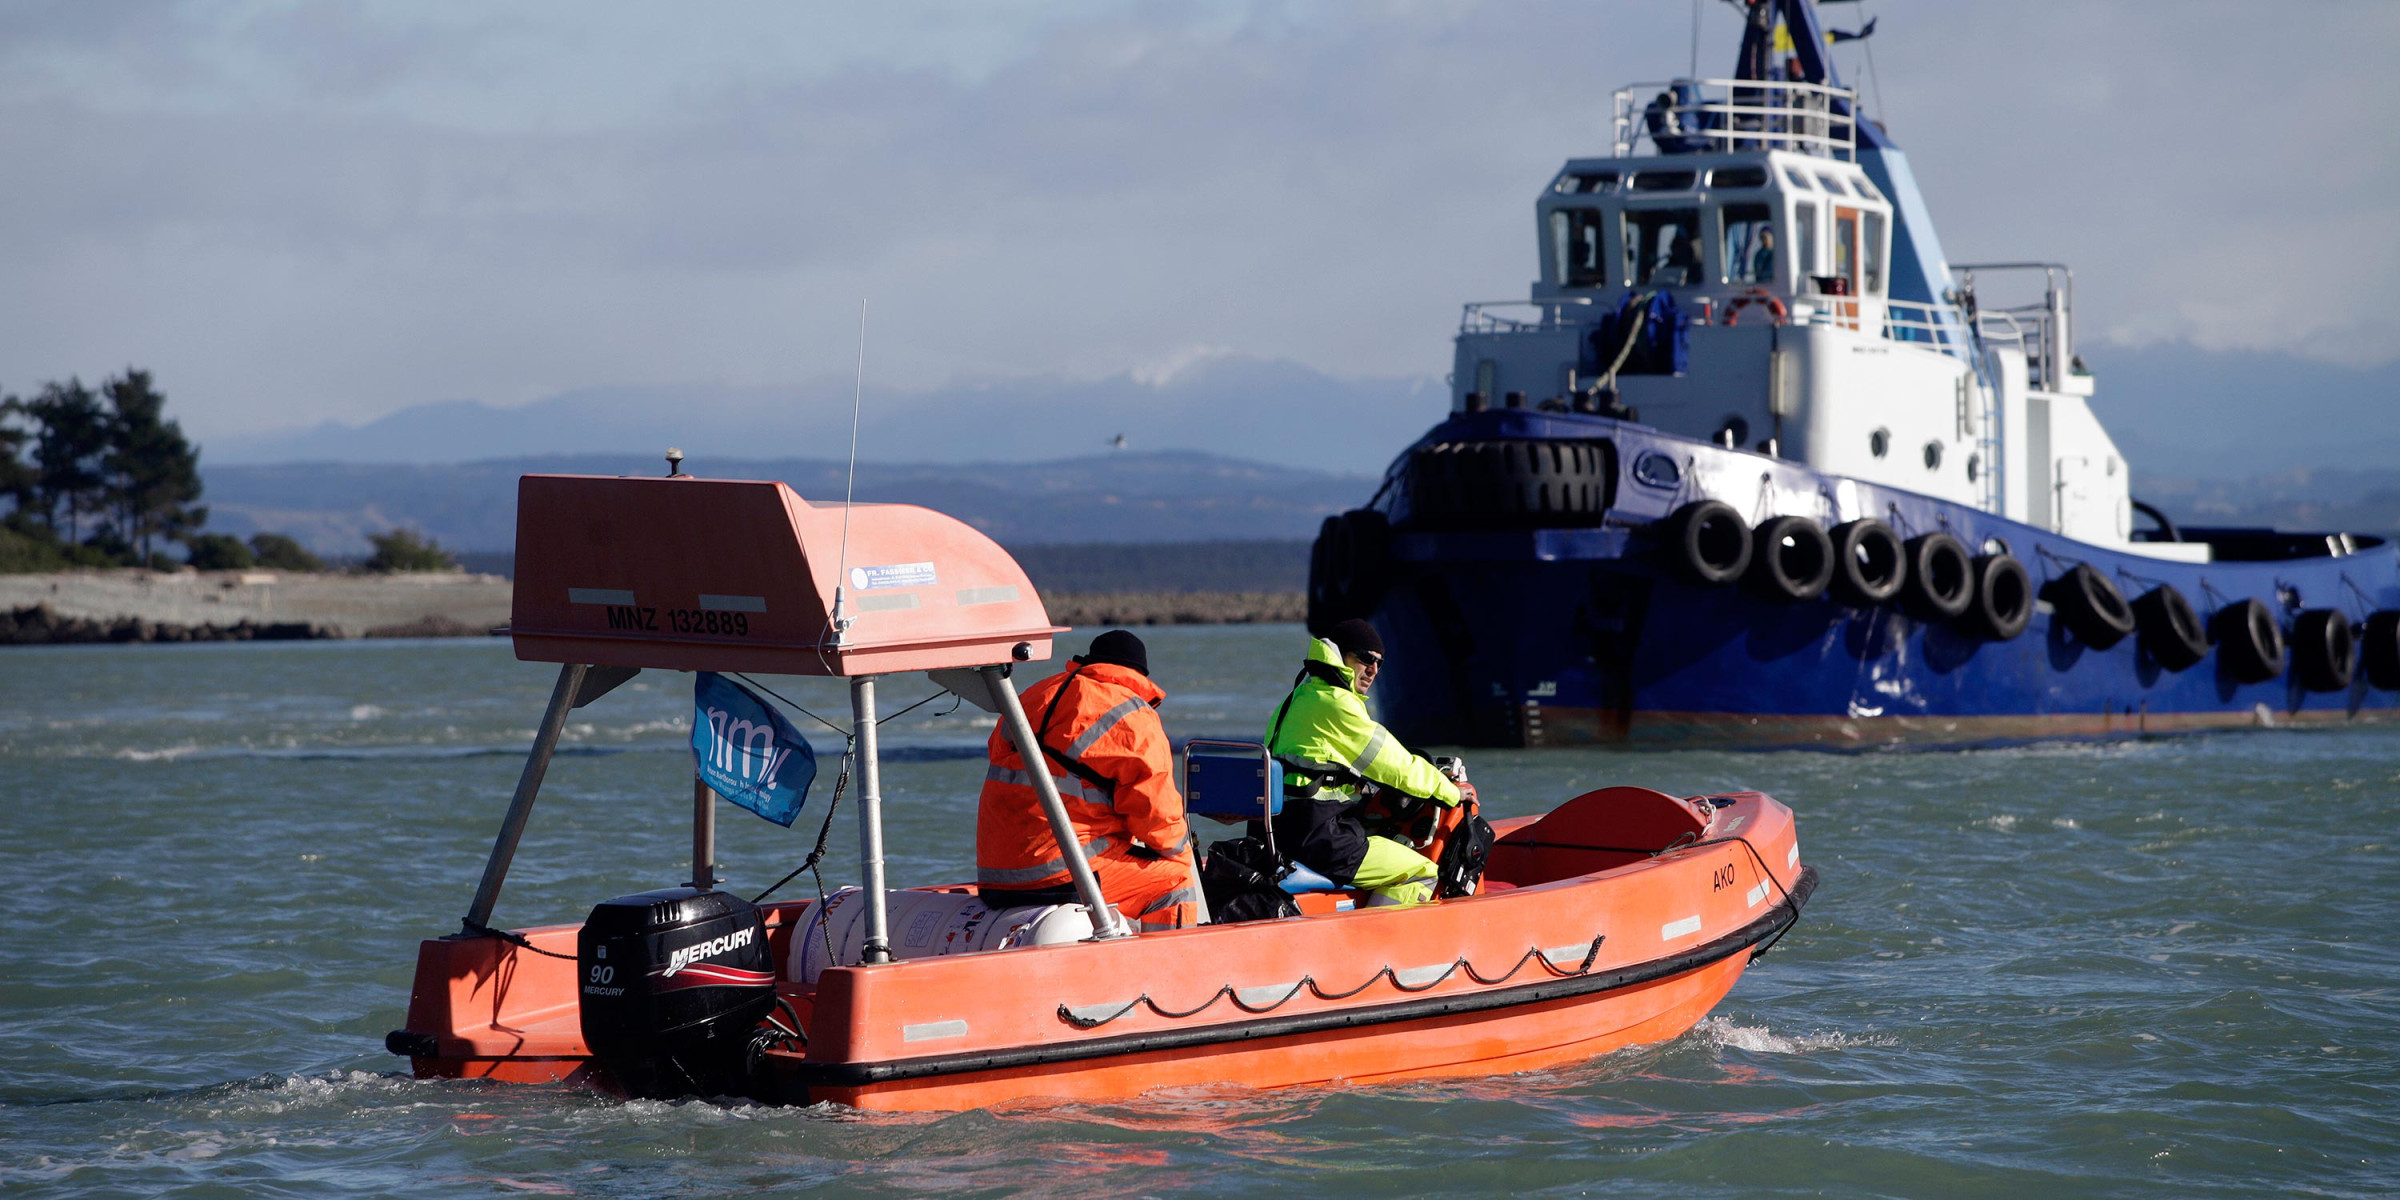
x: 513, y: 938
x: 1241, y: 1001
x: 1763, y: 869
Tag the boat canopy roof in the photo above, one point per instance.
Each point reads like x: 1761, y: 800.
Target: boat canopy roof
x: 740, y: 575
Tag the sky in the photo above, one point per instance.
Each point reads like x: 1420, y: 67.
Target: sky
x: 295, y: 212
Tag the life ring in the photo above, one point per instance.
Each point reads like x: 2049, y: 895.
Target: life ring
x: 1708, y: 542
x: 2249, y: 642
x: 2324, y: 649
x: 2002, y: 605
x: 2169, y: 629
x: 1941, y: 578
x: 1869, y: 563
x: 1774, y: 304
x: 2091, y: 606
x: 2379, y: 649
x: 1791, y: 559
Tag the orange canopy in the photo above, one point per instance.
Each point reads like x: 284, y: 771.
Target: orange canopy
x: 739, y: 575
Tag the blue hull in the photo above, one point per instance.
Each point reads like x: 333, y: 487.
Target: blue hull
x: 1579, y: 636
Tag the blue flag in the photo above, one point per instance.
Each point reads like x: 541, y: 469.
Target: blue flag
x: 747, y: 751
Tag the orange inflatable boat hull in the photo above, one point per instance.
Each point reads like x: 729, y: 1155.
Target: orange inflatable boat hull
x: 1620, y: 918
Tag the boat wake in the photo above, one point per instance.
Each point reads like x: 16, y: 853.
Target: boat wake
x: 1758, y: 1039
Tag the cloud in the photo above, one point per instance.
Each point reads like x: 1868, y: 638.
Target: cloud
x: 298, y: 211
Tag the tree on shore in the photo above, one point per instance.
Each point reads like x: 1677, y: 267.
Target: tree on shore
x: 402, y: 550
x: 67, y: 451
x: 152, y: 471
x: 113, y: 456
x: 280, y: 552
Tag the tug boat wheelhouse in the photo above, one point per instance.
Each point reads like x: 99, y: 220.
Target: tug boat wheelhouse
x: 1620, y: 916
x: 1756, y: 462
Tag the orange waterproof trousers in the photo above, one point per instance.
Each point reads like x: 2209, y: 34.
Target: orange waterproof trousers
x: 1155, y: 893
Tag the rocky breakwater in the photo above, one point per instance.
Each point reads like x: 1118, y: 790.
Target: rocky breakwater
x: 205, y: 606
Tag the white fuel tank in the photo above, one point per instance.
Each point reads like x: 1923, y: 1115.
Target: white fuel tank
x: 926, y: 924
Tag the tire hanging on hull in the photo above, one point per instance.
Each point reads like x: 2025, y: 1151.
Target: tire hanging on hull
x: 2170, y: 630
x: 2324, y: 650
x: 1869, y: 563
x: 1941, y: 578
x: 2091, y: 606
x: 1707, y: 542
x: 1791, y: 559
x: 2249, y: 641
x: 2379, y: 649
x: 1349, y: 568
x: 2002, y: 604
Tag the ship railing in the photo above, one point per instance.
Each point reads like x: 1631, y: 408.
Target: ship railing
x: 2046, y: 329
x: 1540, y: 316
x: 1940, y: 326
x: 1687, y: 116
x: 2028, y: 328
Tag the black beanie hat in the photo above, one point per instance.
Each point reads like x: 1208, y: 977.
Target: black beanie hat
x: 1119, y: 647
x: 1355, y: 636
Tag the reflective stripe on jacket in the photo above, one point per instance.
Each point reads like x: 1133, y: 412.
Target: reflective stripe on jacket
x: 1106, y: 720
x: 1323, y: 731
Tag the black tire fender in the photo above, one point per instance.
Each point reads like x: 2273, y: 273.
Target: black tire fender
x: 1358, y: 561
x: 1708, y: 542
x: 1323, y: 600
x: 1791, y: 559
x: 2170, y: 630
x: 1941, y: 578
x: 2091, y: 606
x: 2324, y: 649
x: 2002, y: 605
x: 2249, y: 641
x: 2379, y: 649
x: 1869, y: 563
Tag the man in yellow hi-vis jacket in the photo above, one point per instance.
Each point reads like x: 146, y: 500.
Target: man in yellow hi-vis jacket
x: 1328, y: 746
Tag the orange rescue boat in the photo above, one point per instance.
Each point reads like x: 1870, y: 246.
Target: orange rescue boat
x: 1622, y: 916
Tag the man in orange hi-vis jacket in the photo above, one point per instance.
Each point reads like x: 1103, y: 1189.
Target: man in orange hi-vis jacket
x: 1097, y: 723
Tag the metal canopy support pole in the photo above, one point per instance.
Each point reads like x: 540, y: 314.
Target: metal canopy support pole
x: 704, y: 835
x: 1105, y: 922
x: 529, y: 785
x: 870, y: 819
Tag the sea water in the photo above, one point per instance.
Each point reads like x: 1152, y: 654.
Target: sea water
x: 2161, y: 968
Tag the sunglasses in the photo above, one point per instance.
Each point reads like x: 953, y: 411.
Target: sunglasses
x: 1372, y: 660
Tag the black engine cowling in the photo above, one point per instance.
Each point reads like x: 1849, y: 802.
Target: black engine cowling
x: 673, y: 982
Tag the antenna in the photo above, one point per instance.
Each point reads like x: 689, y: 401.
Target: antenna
x: 841, y: 577
x: 1695, y: 41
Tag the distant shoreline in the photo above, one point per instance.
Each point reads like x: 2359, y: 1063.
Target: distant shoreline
x: 135, y: 606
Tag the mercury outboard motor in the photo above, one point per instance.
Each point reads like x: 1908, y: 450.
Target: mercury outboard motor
x: 673, y: 982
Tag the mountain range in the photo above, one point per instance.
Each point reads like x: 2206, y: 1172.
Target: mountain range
x: 1250, y: 409
x: 1119, y: 497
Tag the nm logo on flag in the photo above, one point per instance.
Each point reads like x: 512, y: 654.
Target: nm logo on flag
x: 747, y: 752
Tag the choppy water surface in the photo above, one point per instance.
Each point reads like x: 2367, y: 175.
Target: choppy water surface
x: 2143, y: 968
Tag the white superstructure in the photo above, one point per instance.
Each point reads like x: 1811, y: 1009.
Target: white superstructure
x: 1783, y: 243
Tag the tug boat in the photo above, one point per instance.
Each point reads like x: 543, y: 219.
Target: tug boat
x: 1756, y: 463
x: 1621, y: 916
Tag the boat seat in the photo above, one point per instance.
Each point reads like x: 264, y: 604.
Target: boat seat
x: 1302, y: 881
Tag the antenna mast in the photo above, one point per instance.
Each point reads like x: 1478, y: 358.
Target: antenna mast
x: 841, y: 578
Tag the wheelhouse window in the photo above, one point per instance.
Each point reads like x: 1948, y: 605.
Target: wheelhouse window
x: 1586, y: 182
x: 1804, y: 238
x: 1845, y: 244
x: 1662, y: 247
x: 1833, y: 183
x: 1872, y: 251
x: 1575, y: 248
x: 1798, y: 180
x: 1738, y: 177
x: 1746, y: 243
x: 1664, y: 181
